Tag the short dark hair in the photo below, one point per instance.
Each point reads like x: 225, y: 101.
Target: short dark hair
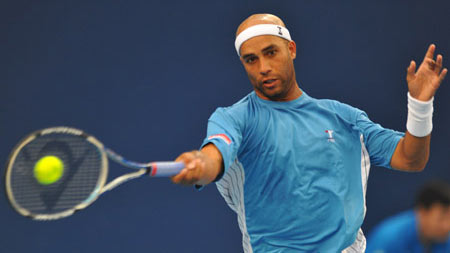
x: 433, y: 192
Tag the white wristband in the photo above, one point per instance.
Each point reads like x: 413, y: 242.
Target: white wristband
x: 420, y: 115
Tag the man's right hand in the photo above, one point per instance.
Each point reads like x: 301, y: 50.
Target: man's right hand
x: 202, y: 167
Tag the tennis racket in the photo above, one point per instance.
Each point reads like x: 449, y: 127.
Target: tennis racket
x: 85, y: 161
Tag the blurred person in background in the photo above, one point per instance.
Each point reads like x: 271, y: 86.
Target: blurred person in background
x: 424, y: 229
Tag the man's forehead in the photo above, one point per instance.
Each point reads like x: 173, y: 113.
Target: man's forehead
x: 440, y: 208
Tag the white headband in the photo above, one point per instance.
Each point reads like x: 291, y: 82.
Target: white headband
x: 258, y: 30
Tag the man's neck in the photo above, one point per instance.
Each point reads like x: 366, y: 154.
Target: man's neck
x: 295, y: 93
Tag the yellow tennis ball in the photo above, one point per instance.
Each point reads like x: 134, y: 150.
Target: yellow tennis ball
x: 48, y: 170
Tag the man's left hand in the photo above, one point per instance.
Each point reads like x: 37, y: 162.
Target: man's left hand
x: 423, y: 84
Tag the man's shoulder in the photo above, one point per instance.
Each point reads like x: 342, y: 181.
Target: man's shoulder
x: 237, y: 108
x: 236, y: 112
x: 400, y: 220
x: 395, y: 226
x: 337, y: 105
x: 338, y: 108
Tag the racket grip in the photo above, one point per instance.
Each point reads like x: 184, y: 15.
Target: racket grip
x: 166, y: 169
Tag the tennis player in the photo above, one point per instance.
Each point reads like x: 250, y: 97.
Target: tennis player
x: 295, y: 168
x: 426, y: 228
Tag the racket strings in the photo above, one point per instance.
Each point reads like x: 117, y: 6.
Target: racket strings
x: 82, y: 169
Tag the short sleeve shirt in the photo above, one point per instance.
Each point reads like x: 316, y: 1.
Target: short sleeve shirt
x: 296, y: 171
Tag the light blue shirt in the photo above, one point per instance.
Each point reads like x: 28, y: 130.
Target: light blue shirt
x: 399, y: 234
x: 296, y: 171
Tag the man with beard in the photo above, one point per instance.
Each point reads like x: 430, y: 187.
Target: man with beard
x: 295, y: 168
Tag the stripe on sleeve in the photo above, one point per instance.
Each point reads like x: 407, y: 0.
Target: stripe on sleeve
x: 223, y: 137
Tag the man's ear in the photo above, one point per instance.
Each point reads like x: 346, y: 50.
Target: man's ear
x: 292, y: 49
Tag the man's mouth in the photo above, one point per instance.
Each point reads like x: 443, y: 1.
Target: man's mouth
x: 269, y: 83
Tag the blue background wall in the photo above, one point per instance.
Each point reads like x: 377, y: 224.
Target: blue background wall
x: 144, y: 76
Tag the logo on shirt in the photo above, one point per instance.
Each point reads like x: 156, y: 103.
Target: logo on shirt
x: 221, y: 137
x: 330, y: 135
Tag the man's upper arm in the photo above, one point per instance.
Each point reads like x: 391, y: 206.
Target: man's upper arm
x: 224, y: 136
x: 380, y: 142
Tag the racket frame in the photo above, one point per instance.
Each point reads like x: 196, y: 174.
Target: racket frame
x: 153, y: 169
x: 103, y: 175
x: 100, y: 188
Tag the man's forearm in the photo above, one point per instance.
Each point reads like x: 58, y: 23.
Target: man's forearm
x: 411, y: 153
x: 214, y: 163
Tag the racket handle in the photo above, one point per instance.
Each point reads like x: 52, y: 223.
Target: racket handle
x: 165, y: 169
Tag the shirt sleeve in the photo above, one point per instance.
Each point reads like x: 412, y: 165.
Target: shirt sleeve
x: 225, y: 132
x: 380, y: 142
x: 384, y: 239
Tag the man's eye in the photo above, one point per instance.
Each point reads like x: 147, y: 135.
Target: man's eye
x: 271, y: 52
x: 250, y: 59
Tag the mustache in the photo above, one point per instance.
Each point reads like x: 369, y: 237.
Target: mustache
x: 268, y: 80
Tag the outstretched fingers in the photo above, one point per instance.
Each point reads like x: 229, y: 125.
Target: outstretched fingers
x: 426, y: 79
x: 442, y: 75
x: 410, y: 71
x: 430, y: 52
x: 438, y: 65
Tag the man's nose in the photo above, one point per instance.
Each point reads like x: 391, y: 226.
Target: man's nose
x: 264, y: 68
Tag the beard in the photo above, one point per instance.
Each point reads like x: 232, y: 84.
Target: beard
x: 275, y: 93
x: 279, y: 89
